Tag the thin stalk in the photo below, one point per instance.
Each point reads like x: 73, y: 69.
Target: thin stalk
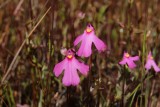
x: 123, y: 84
x: 147, y: 91
x: 122, y: 101
x: 90, y: 66
x: 40, y: 99
x: 134, y: 93
x: 141, y: 98
x: 99, y: 83
x: 151, y: 93
x: 143, y: 68
x: 68, y: 96
x: 89, y: 81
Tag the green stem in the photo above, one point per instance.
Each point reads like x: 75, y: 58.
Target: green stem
x: 41, y: 99
x: 123, y: 84
x: 143, y: 68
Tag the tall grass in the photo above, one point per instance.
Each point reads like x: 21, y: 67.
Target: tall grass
x: 33, y: 32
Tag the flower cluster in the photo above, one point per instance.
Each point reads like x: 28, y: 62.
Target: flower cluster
x: 127, y: 59
x: 70, y: 65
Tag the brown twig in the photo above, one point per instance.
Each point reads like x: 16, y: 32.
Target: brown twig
x: 18, y: 7
x: 151, y: 93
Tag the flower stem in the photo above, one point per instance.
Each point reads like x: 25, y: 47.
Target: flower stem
x: 123, y: 83
x: 151, y: 93
x: 99, y: 82
x: 68, y: 95
x: 143, y: 68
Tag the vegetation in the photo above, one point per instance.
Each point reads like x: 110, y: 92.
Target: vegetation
x: 34, y: 32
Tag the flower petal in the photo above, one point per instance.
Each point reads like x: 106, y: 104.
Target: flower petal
x: 156, y: 68
x: 131, y: 64
x: 80, y: 51
x: 70, y: 75
x: 148, y: 64
x: 81, y: 67
x: 67, y: 77
x: 99, y: 43
x: 85, y: 48
x: 59, y: 67
x: 123, y: 62
x: 75, y: 77
x: 78, y: 39
x: 135, y: 58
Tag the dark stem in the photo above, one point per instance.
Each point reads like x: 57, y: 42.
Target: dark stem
x: 99, y: 83
x: 123, y: 93
x: 68, y: 96
x: 90, y: 66
x: 89, y: 81
x: 123, y: 83
x: 151, y: 93
x: 141, y: 98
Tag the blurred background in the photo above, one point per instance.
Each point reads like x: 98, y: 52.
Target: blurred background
x: 124, y: 25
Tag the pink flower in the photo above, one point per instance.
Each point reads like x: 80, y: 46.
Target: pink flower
x: 127, y: 59
x: 150, y: 62
x: 70, y: 65
x: 86, y: 39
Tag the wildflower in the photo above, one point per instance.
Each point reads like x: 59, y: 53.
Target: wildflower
x: 86, y: 39
x: 150, y: 62
x: 127, y: 59
x: 70, y: 65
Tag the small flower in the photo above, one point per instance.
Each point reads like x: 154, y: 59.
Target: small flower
x: 86, y: 39
x: 127, y: 59
x: 70, y: 65
x: 150, y: 62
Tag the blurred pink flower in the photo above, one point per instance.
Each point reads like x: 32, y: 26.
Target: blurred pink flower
x: 86, y: 39
x: 150, y: 62
x: 127, y: 59
x: 81, y: 15
x: 70, y: 65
